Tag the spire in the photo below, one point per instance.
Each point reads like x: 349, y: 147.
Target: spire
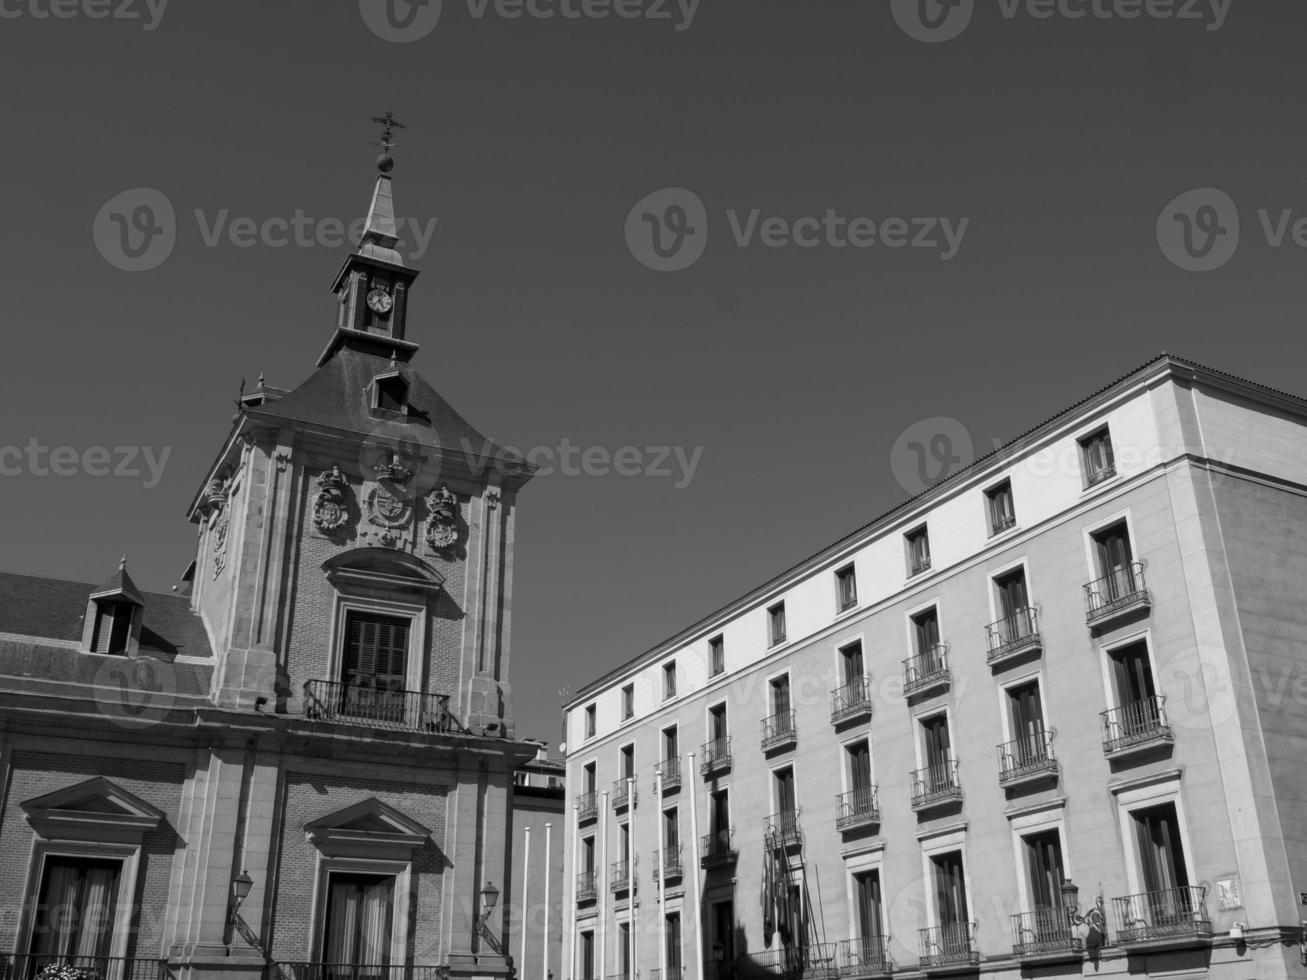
x: 379, y: 237
x: 119, y: 586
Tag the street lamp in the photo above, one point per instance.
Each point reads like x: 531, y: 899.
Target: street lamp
x: 1095, y: 918
x: 240, y: 890
x: 489, y: 898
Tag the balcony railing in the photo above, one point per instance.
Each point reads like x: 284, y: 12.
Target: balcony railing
x: 778, y: 730
x: 783, y: 827
x: 624, y: 793
x: 378, y: 708
x: 851, y: 701
x: 864, y: 957
x: 858, y: 808
x: 1120, y: 592
x: 586, y: 888
x: 670, y: 866
x: 1026, y: 758
x: 1042, y: 932
x: 1015, y: 634
x: 816, y: 961
x: 926, y: 670
x: 671, y: 774
x: 1173, y: 913
x: 619, y: 877
x: 935, y: 785
x: 716, y: 755
x: 350, y: 971
x: 587, y: 806
x: 717, y: 848
x: 20, y: 966
x: 1135, y: 726
x: 948, y: 945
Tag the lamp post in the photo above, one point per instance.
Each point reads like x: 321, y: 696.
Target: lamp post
x: 240, y: 890
x: 1095, y: 918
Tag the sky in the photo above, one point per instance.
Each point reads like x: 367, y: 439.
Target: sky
x: 752, y: 251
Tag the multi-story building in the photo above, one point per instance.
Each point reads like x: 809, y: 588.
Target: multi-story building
x: 1048, y: 717
x: 302, y: 764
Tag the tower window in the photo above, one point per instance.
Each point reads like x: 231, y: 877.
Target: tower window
x: 113, y: 627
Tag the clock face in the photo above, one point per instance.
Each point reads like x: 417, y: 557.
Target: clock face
x: 380, y: 301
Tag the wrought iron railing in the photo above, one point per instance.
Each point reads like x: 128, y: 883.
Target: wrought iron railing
x: 864, y: 957
x: 816, y: 961
x: 283, y: 970
x: 1046, y: 930
x: 22, y: 966
x: 717, y: 847
x: 670, y: 865
x: 1140, y: 723
x: 783, y: 826
x: 1171, y: 913
x: 928, y: 668
x: 1123, y: 589
x: 857, y: 807
x: 587, y: 890
x: 671, y: 773
x: 379, y: 708
x: 851, y: 700
x: 948, y: 944
x: 1030, y: 755
x: 624, y: 793
x: 587, y: 806
x: 778, y: 730
x: 1016, y: 632
x: 936, y: 784
x: 716, y: 755
x: 619, y: 877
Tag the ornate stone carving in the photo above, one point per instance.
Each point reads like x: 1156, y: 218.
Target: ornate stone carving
x: 442, y: 519
x: 388, y: 502
x: 492, y: 498
x: 331, y: 505
x: 220, y: 542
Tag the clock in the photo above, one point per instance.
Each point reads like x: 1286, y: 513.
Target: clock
x: 380, y: 301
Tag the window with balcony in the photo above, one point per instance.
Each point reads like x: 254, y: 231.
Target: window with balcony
x: 669, y: 862
x: 1029, y: 752
x: 374, y: 668
x: 925, y: 631
x: 1119, y: 587
x: 716, y: 656
x: 358, y: 921
x: 624, y: 951
x: 1096, y: 459
x: 1169, y: 906
x: 937, y: 782
x: 853, y: 696
x: 859, y: 805
x: 1044, y: 926
x: 868, y: 904
x: 628, y: 701
x: 1138, y: 718
x: 585, y: 959
x: 1017, y: 629
x: 928, y: 666
x: 672, y: 947
x: 952, y: 940
x: 918, y: 547
x: 722, y: 933
x: 670, y: 766
x: 590, y: 721
x: 627, y: 759
x: 669, y: 680
x: 74, y: 916
x: 717, y: 750
x: 778, y: 728
x: 776, y: 624
x: 846, y: 588
x: 1002, y: 514
x: 785, y: 821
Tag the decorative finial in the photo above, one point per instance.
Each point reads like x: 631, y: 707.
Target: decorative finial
x: 386, y: 162
x: 394, y: 364
x: 260, y: 380
x: 122, y: 563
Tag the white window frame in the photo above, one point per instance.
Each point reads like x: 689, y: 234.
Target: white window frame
x: 1087, y: 432
x: 707, y: 718
x: 1035, y: 674
x: 1022, y: 563
x: 1035, y: 823
x: 1166, y: 789
x: 924, y: 527
x: 846, y: 776
x: 772, y: 642
x: 768, y: 679
x: 772, y: 770
x: 590, y: 720
x: 842, y: 644
x: 414, y: 657
x: 1091, y: 546
x: 861, y: 864
x: 955, y: 840
x: 622, y: 692
x: 986, y: 503
x: 666, y: 667
x: 911, y: 627
x: 919, y: 739
x: 849, y: 566
x: 43, y: 850
x: 721, y: 638
x: 1107, y: 648
x: 402, y: 871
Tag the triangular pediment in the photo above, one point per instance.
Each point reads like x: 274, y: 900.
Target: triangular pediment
x: 368, y: 826
x: 97, y: 809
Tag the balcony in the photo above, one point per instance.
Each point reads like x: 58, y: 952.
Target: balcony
x: 926, y: 671
x: 851, y: 701
x: 619, y: 877
x: 351, y: 971
x: 948, y: 946
x: 669, y: 867
x: 377, y: 708
x: 1118, y: 595
x: 1011, y: 637
x: 817, y: 961
x: 778, y: 731
x: 718, y: 848
x: 936, y: 785
x: 783, y: 829
x: 716, y: 756
x: 586, y: 889
x: 1136, y: 727
x: 858, y: 808
x: 1163, y: 916
x: 624, y: 793
x: 20, y: 965
x: 864, y: 957
x: 1027, y: 759
x: 671, y: 775
x: 587, y: 806
x: 1043, y: 933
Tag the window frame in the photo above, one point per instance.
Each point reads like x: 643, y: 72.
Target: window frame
x: 43, y: 850
x: 590, y: 716
x: 991, y: 494
x: 846, y: 572
x: 1142, y: 795
x: 920, y: 532
x: 669, y: 680
x: 936, y: 846
x: 415, y: 612
x: 716, y: 647
x: 1053, y: 818
x: 1083, y: 444
x: 776, y: 612
x: 1111, y: 697
x: 628, y: 701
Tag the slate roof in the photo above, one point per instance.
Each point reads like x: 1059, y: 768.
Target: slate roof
x: 54, y: 609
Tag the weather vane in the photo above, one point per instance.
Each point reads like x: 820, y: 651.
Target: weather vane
x: 388, y: 137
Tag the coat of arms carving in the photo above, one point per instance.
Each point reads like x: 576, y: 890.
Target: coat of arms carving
x: 387, y: 501
x: 442, y: 519
x: 330, y: 506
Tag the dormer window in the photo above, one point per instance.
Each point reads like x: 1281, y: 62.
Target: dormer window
x: 112, y: 624
x: 113, y: 627
x: 390, y: 393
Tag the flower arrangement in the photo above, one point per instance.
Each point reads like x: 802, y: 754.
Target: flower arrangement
x: 66, y: 971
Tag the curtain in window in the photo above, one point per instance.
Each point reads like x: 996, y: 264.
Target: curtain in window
x: 868, y: 887
x: 781, y: 696
x: 860, y: 769
x: 853, y: 663
x: 358, y: 925
x: 76, y: 909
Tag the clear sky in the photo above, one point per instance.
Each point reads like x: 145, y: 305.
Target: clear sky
x: 1050, y: 146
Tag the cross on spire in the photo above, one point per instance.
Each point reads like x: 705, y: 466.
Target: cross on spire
x: 388, y: 136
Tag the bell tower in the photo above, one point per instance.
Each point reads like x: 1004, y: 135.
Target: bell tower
x: 373, y: 284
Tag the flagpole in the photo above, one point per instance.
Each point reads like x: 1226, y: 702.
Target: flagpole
x: 544, y: 952
x: 694, y: 873
x: 526, y: 895
x: 631, y: 879
x: 662, y: 884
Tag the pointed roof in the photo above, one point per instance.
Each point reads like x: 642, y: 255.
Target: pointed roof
x: 380, y: 234
x: 96, y: 809
x: 119, y: 586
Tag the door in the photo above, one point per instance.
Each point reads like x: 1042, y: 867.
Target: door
x: 1027, y: 717
x: 1164, y: 874
x: 374, y: 667
x: 1045, y: 875
x: 927, y: 629
x: 853, y: 667
x: 74, y: 915
x: 1136, y: 695
x: 866, y: 887
x: 951, y: 904
x: 1115, y: 562
x: 785, y: 800
x: 673, y: 945
x: 356, y: 940
x: 587, y: 956
x: 937, y: 752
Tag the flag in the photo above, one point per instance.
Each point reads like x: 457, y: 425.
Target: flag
x: 768, y: 895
